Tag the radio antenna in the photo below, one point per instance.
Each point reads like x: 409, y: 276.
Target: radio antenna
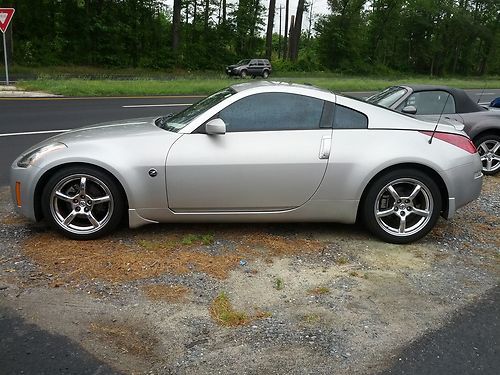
x: 439, y: 119
x: 482, y: 92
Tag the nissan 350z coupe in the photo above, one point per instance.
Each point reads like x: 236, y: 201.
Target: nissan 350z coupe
x: 253, y: 152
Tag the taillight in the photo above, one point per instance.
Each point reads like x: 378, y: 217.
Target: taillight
x: 455, y: 139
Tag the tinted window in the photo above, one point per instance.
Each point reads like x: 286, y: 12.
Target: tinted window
x: 273, y: 111
x: 430, y: 102
x: 346, y: 118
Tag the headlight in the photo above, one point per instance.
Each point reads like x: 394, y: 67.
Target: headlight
x: 31, y: 157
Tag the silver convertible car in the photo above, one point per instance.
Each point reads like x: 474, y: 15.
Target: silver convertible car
x: 253, y: 152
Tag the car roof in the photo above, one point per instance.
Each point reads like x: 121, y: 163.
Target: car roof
x: 463, y: 102
x: 250, y: 85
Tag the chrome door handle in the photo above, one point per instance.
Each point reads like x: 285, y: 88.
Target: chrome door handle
x: 324, y: 149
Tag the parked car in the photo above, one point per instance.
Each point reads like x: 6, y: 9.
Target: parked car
x: 250, y: 67
x: 253, y: 152
x: 428, y: 102
x: 495, y: 103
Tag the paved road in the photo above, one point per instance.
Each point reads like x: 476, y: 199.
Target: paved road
x: 26, y: 349
x: 23, y: 115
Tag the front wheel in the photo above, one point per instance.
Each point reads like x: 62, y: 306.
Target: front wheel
x: 243, y: 74
x: 402, y: 206
x: 488, y: 147
x: 82, y: 202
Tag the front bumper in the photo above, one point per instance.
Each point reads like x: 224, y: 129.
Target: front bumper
x: 27, y: 179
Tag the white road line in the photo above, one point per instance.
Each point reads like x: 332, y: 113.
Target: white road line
x: 486, y: 93
x: 156, y: 105
x: 33, y: 133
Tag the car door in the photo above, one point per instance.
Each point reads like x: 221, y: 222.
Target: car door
x: 273, y: 157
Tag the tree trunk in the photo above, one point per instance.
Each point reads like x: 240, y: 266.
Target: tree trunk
x: 270, y: 26
x: 285, y: 33
x: 290, y: 37
x: 224, y: 11
x: 297, y: 30
x: 176, y: 25
x: 207, y: 10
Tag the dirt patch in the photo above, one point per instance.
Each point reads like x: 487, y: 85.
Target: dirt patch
x: 166, y: 293
x: 127, y: 339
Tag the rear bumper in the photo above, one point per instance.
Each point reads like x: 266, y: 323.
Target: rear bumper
x: 464, y: 185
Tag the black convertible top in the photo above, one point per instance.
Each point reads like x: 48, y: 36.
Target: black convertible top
x: 463, y: 102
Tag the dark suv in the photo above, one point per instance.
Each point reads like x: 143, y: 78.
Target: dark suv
x: 250, y: 67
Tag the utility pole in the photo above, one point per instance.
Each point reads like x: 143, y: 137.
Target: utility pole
x: 310, y: 20
x: 279, y: 35
x: 285, y: 33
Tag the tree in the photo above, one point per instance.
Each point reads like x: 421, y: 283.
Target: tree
x: 270, y: 26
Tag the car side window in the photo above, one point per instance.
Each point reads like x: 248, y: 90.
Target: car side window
x: 347, y: 118
x: 273, y: 111
x: 430, y: 102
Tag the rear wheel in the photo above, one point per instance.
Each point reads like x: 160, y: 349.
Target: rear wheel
x: 82, y: 202
x: 402, y: 206
x: 265, y: 74
x: 488, y: 147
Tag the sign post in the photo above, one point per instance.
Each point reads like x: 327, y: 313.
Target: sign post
x: 5, y: 17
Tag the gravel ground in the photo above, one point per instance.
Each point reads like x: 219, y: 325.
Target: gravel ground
x: 311, y: 298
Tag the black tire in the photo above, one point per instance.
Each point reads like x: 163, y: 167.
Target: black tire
x: 402, y: 220
x: 82, y: 216
x: 265, y: 74
x: 490, y: 157
x: 243, y: 74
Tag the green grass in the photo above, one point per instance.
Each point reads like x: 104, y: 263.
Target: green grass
x: 206, y: 83
x: 223, y: 312
x: 205, y: 239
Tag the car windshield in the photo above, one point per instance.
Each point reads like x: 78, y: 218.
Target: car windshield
x: 176, y: 122
x: 243, y: 62
x: 387, y: 97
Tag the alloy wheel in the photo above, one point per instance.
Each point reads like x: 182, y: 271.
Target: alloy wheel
x: 81, y: 204
x: 403, y: 207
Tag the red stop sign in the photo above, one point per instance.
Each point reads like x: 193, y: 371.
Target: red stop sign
x: 5, y: 17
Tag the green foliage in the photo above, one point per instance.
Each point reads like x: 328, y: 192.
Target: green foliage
x: 434, y: 37
x: 428, y: 37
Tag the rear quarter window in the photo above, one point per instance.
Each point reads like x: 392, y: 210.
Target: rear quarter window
x: 347, y: 118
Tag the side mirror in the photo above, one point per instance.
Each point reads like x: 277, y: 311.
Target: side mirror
x: 215, y: 126
x: 410, y: 110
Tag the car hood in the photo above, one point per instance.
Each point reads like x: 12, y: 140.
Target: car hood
x: 113, y: 132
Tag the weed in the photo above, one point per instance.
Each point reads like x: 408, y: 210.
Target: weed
x: 279, y: 284
x: 342, y: 260
x: 311, y: 318
x: 189, y: 239
x: 223, y: 312
x: 207, y: 239
x: 319, y: 290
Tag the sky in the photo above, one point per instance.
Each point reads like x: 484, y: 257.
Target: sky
x: 319, y: 7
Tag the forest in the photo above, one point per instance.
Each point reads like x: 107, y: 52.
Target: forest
x: 432, y: 37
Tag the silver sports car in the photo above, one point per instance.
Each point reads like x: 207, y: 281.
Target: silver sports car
x: 253, y: 152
